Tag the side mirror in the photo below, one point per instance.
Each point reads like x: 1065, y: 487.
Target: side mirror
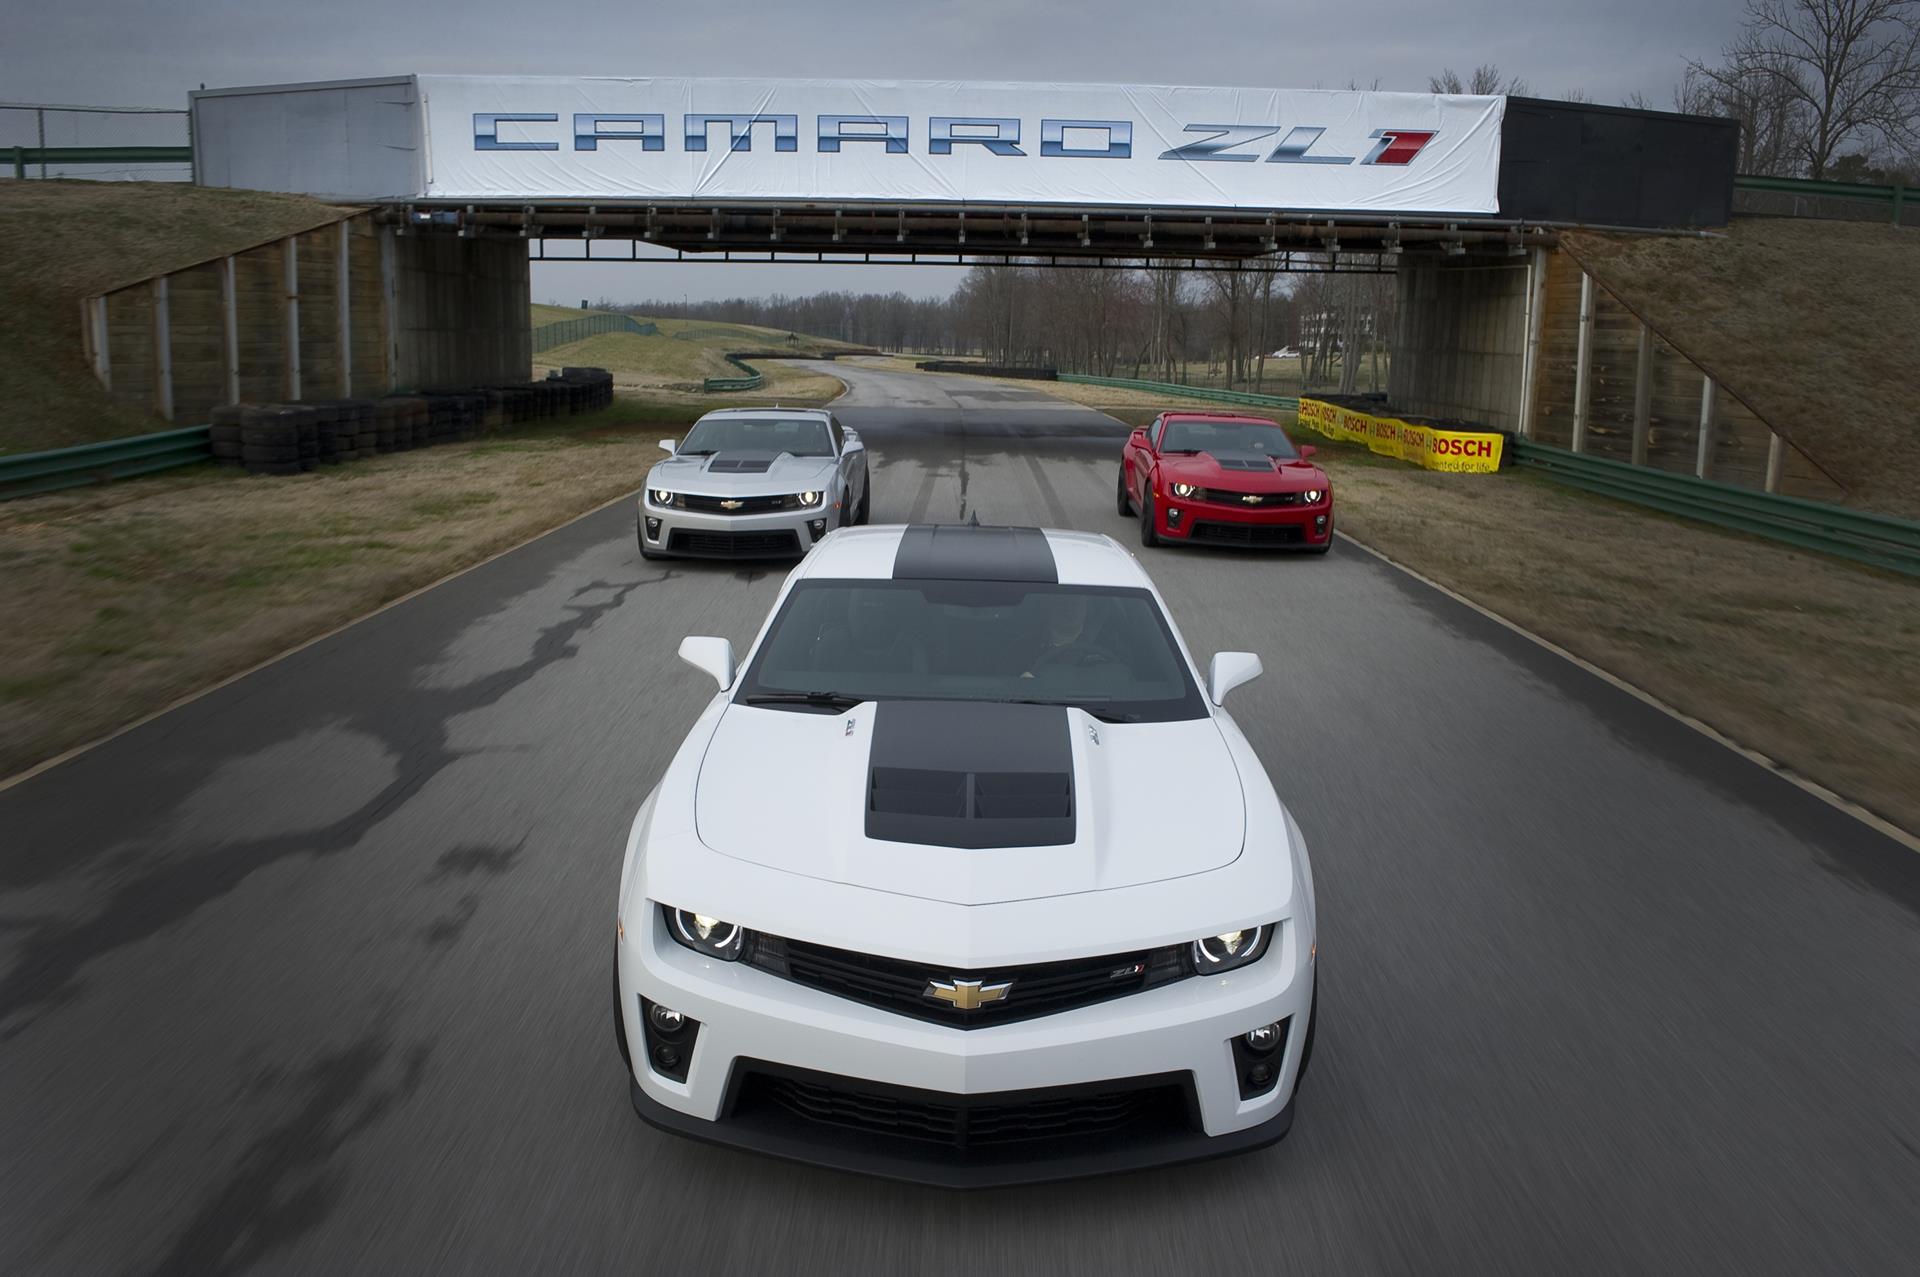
x: 1229, y: 670
x: 1307, y: 450
x: 851, y: 442
x: 668, y: 446
x: 1138, y: 439
x: 715, y: 656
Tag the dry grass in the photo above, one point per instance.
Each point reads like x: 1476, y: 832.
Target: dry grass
x: 670, y: 365
x: 1810, y: 324
x: 1135, y: 407
x: 68, y: 240
x: 117, y: 600
x: 1810, y: 660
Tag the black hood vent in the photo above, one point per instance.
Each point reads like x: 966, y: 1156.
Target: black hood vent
x: 740, y: 464
x: 970, y: 774
x: 1242, y: 461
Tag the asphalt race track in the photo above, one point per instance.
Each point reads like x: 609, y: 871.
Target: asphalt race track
x: 310, y: 975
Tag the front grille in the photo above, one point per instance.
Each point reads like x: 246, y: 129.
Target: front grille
x: 737, y: 505
x: 1247, y: 533
x: 1260, y: 501
x: 1036, y: 989
x: 736, y: 545
x: 961, y: 1123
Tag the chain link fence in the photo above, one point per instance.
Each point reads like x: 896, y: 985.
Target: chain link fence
x: 43, y: 126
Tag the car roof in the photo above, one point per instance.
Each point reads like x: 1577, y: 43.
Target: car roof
x: 821, y: 413
x: 1077, y: 558
x: 1218, y: 416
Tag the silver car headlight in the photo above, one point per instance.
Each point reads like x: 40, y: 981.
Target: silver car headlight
x: 661, y: 497
x: 1230, y: 950
x: 706, y: 935
x: 808, y: 500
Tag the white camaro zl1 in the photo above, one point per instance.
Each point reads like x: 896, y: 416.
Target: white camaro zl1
x: 965, y: 877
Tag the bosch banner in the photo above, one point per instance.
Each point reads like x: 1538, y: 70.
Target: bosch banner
x: 1426, y: 443
x: 898, y: 141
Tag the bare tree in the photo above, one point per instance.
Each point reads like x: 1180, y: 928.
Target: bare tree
x: 1484, y: 80
x: 1850, y: 70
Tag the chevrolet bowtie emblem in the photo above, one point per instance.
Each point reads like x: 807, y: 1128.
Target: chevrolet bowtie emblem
x: 731, y: 505
x: 1252, y: 498
x: 966, y: 995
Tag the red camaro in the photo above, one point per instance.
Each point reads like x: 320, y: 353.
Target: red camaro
x: 1224, y: 479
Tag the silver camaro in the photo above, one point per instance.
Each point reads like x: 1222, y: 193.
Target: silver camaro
x: 754, y: 483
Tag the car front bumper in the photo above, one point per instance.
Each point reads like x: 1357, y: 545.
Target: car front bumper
x: 1208, y: 523
x: 701, y: 535
x: 1150, y: 1078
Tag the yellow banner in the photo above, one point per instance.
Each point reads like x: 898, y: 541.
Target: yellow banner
x: 1461, y: 451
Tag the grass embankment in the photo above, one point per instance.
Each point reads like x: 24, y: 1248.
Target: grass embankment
x: 118, y: 600
x: 1810, y: 323
x: 1810, y: 660
x: 667, y: 368
x: 66, y: 240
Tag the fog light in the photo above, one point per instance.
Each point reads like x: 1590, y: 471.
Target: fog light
x: 1260, y: 1077
x: 1262, y: 1039
x: 668, y: 1022
x: 653, y: 529
x: 1173, y: 514
x: 1320, y: 521
x: 666, y: 1058
x: 818, y: 527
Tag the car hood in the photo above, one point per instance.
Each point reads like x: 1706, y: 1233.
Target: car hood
x: 742, y: 474
x: 1241, y: 471
x: 968, y: 802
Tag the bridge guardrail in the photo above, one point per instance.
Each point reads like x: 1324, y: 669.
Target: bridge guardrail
x: 1873, y: 539
x: 24, y: 474
x: 1288, y: 402
x: 751, y: 381
x: 564, y: 332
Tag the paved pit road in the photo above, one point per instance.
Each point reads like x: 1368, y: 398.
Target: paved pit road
x: 310, y: 975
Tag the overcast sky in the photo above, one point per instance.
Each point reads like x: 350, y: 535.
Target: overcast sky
x: 150, y: 53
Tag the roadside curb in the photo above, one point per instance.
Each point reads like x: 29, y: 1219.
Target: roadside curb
x: 1879, y: 824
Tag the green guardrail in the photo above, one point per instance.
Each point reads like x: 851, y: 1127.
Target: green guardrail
x: 32, y: 156
x: 24, y: 474
x: 1873, y: 539
x: 1895, y: 196
x: 751, y: 381
x: 564, y: 332
x: 1290, y: 403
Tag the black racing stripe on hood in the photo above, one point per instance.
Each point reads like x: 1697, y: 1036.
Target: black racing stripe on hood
x: 957, y: 552
x: 742, y: 462
x: 972, y: 774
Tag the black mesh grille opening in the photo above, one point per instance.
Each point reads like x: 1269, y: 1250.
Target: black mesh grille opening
x: 962, y: 1124
x: 737, y: 505
x: 1247, y: 533
x: 742, y: 545
x: 902, y: 987
x: 741, y: 465
x: 1260, y: 500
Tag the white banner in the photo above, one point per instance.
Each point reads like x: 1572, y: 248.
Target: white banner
x: 897, y: 141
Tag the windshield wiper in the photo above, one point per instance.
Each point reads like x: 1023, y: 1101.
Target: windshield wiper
x: 1104, y: 715
x: 823, y: 700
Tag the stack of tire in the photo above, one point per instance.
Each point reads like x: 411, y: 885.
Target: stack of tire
x: 294, y: 437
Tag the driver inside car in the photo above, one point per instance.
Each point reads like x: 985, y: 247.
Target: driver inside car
x: 1062, y: 639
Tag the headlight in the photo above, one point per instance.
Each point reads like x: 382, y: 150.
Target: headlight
x: 707, y: 935
x: 1184, y: 489
x: 1314, y: 495
x: 662, y: 497
x: 1230, y: 949
x: 808, y: 499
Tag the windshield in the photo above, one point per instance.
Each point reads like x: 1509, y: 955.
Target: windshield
x: 1106, y: 650
x: 801, y: 436
x: 1261, y: 437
